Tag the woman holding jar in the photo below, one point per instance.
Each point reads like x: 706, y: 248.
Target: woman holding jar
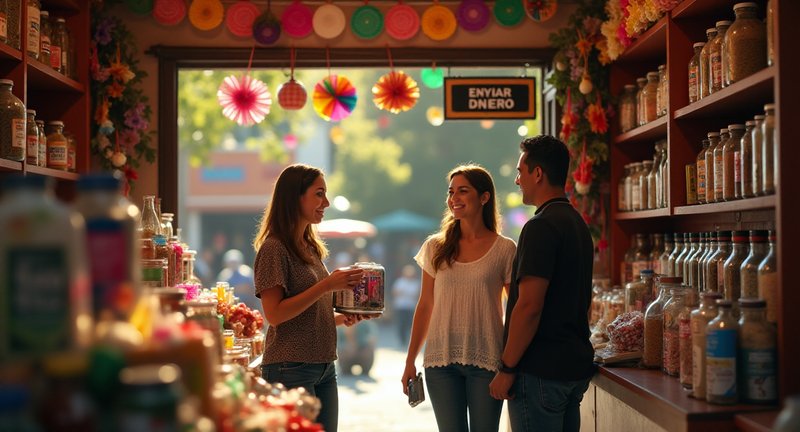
x: 459, y: 315
x: 296, y: 290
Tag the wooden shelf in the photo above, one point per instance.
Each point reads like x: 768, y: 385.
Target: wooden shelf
x: 50, y: 172
x: 649, y: 46
x: 8, y: 53
x: 756, y: 203
x: 652, y: 131
x: 663, y: 400
x: 43, y: 77
x: 756, y: 422
x: 701, y: 8
x: 9, y: 165
x: 753, y: 91
x: 642, y: 214
x: 70, y: 6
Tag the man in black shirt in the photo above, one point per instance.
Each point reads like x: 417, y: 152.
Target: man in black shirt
x: 547, y: 360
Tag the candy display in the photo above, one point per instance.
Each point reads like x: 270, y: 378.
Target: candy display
x: 366, y: 297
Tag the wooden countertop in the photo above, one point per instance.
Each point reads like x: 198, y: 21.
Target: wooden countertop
x: 663, y: 400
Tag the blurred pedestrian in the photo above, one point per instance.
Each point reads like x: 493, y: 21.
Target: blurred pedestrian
x: 239, y: 276
x: 405, y: 293
x: 459, y: 315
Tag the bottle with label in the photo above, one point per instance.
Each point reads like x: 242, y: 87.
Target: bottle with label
x: 12, y: 123
x: 745, y: 44
x: 672, y: 310
x: 113, y: 245
x: 673, y: 256
x: 768, y: 151
x: 715, y: 55
x: 713, y: 143
x: 640, y: 103
x: 58, y: 44
x: 705, y: 64
x: 43, y: 241
x: 700, y: 163
x: 745, y: 166
x: 657, y: 240
x: 758, y: 164
x: 663, y: 259
x: 731, y: 276
x: 730, y: 160
x: 759, y: 248
x: 44, y: 38
x: 149, y: 222
x: 652, y: 356
x: 42, y: 144
x: 722, y: 334
x: 758, y: 366
x: 661, y: 92
x: 768, y: 280
x: 636, y: 195
x: 33, y: 27
x: 57, y: 147
x: 694, y: 73
x: 698, y: 322
x: 649, y: 97
x: 3, y: 21
x: 719, y: 165
x: 31, y: 139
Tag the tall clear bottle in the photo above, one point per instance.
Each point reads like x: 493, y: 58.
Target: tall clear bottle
x: 730, y: 161
x: 705, y: 64
x: 715, y: 56
x: 714, y: 275
x: 759, y: 248
x: 657, y: 242
x: 652, y: 182
x: 12, y: 123
x: 699, y: 320
x: 149, y: 222
x: 710, y: 247
x: 769, y: 149
x: 732, y: 268
x: 676, y: 252
x: 662, y: 91
x: 719, y: 165
x: 113, y: 246
x: 680, y: 259
x: 745, y: 165
x: 768, y: 280
x: 652, y: 356
x: 640, y: 103
x: 664, y: 175
x: 722, y: 334
x: 758, y: 164
x: 700, y: 164
x: 644, y: 185
x: 663, y: 259
x: 691, y: 267
x: 758, y: 368
x: 622, y: 203
x: 694, y: 73
x: 43, y: 242
x: 627, y: 108
x: 58, y: 45
x: 713, y: 143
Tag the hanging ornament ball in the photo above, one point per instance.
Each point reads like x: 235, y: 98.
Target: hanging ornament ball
x: 583, y: 188
x: 586, y: 86
x: 435, y: 116
x: 118, y: 159
x: 433, y: 78
x: 561, y: 66
x: 292, y: 95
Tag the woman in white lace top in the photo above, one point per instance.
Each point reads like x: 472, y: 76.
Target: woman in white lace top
x: 459, y: 315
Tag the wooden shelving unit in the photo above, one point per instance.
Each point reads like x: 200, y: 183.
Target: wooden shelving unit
x: 54, y: 96
x: 649, y: 132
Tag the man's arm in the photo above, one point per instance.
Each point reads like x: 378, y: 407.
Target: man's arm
x: 524, y: 318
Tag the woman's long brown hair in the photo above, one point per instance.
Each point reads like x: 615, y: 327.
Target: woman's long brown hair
x: 446, y: 240
x: 282, y: 214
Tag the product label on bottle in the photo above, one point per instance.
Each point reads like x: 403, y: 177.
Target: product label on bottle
x: 693, y: 88
x: 719, y: 165
x: 698, y: 371
x: 636, y: 197
x: 45, y: 47
x: 701, y: 179
x: 691, y: 186
x: 37, y: 298
x: 18, y: 133
x: 760, y: 375
x: 768, y: 290
x: 737, y: 167
x: 71, y: 164
x: 55, y: 57
x: 3, y: 27
x: 57, y: 154
x: 721, y: 363
x: 108, y: 251
x: 32, y: 149
x: 42, y: 153
x: 34, y: 18
x: 715, y: 59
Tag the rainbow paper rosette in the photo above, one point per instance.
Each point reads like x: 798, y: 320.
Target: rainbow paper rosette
x: 395, y: 92
x: 334, y: 98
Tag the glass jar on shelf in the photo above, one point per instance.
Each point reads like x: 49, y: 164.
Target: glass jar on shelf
x: 649, y: 97
x: 166, y: 224
x: 698, y: 322
x: 745, y: 44
x: 33, y: 26
x: 732, y: 268
x: 636, y: 193
x: 657, y: 248
x: 687, y: 246
x: 640, y: 103
x: 745, y: 165
x: 719, y: 165
x: 691, y: 266
x: 663, y: 175
x: 715, y: 58
x: 672, y: 309
x: 663, y: 259
x: 12, y: 122
x: 722, y: 334
x: 638, y: 293
x: 622, y: 204
x: 644, y: 185
x: 641, y: 256
x: 652, y: 182
x: 705, y: 63
x: 759, y: 248
x: 713, y: 143
x: 57, y: 146
x: 58, y: 45
x: 31, y: 139
x: 627, y: 108
x: 757, y: 139
x: 149, y: 223
x: 768, y: 151
x: 189, y: 258
x: 700, y: 164
x: 708, y: 248
x: 768, y: 280
x: 694, y: 73
x: 714, y: 265
x: 685, y: 343
x: 673, y: 256
x: 662, y: 94
x: 652, y: 357
x: 46, y: 34
x: 758, y: 378
x: 42, y: 143
x: 730, y: 160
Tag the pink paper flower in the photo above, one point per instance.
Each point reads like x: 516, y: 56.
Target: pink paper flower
x: 245, y: 100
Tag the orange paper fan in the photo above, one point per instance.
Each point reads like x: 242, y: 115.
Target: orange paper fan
x: 395, y: 92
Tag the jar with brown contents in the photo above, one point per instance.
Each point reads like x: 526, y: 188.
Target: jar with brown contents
x: 732, y: 268
x: 729, y: 161
x: 705, y: 65
x: 672, y: 311
x: 719, y: 165
x: 758, y: 373
x: 714, y: 279
x: 699, y: 321
x: 715, y: 56
x: 640, y: 116
x: 768, y: 280
x: 759, y: 248
x: 649, y: 98
x: 685, y: 343
x: 694, y: 73
x: 745, y: 44
x: 654, y: 324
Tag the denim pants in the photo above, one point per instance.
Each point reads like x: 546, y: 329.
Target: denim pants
x: 546, y: 406
x: 456, y: 389
x: 318, y: 378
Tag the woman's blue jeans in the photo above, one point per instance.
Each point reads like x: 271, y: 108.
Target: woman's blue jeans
x: 318, y: 378
x: 456, y: 390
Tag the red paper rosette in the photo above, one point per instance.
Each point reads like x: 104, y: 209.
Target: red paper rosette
x: 401, y: 22
x: 395, y: 92
x: 169, y: 12
x: 297, y: 20
x: 240, y: 17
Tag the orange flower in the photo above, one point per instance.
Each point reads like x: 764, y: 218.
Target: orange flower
x: 115, y: 90
x: 120, y: 72
x: 101, y: 113
x: 596, y: 115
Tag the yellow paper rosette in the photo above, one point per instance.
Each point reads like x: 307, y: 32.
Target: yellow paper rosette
x: 206, y: 14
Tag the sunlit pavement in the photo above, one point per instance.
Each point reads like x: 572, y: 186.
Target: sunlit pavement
x: 377, y: 403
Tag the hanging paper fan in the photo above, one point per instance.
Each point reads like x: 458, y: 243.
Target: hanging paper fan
x: 438, y: 22
x: 366, y: 22
x: 240, y: 17
x: 206, y: 14
x: 395, y: 92
x: 509, y: 13
x: 291, y: 94
x: 402, y: 22
x: 329, y: 21
x: 540, y: 10
x: 169, y: 12
x: 334, y: 98
x: 245, y: 100
x: 473, y: 15
x: 297, y: 20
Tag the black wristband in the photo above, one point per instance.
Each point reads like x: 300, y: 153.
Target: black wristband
x: 507, y: 369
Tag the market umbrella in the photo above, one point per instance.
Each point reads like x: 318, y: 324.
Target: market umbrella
x: 346, y: 228
x: 404, y: 221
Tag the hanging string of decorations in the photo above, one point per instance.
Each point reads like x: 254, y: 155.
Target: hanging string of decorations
x: 245, y: 100
x: 334, y: 97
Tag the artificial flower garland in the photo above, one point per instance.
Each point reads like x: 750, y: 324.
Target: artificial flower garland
x: 121, y: 121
